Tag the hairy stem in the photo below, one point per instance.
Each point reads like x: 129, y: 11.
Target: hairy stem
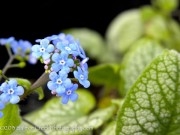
x: 40, y: 81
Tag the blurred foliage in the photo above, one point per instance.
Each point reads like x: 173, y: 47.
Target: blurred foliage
x: 10, y: 120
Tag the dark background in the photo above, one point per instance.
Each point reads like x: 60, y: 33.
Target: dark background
x: 30, y: 20
x: 35, y: 20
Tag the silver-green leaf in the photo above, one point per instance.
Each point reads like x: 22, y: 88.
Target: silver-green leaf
x: 55, y: 115
x: 152, y: 106
x: 124, y: 30
x: 133, y: 63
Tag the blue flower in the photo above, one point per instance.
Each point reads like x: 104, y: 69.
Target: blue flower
x: 32, y: 59
x: 65, y: 39
x: 68, y: 48
x: 21, y: 47
x: 44, y: 49
x: 82, y: 76
x: 11, y: 92
x: 1, y: 107
x: 62, y: 62
x: 59, y: 82
x: 4, y: 41
x: 69, y: 94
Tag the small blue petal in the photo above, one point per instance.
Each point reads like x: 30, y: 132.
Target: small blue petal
x: 20, y: 90
x: 14, y: 99
x: 73, y: 46
x: 4, y: 97
x: 60, y: 90
x: 35, y: 48
x: 63, y: 74
x: 76, y: 74
x: 1, y: 106
x: 36, y: 54
x: 50, y: 48
x: 64, y: 55
x: 45, y: 56
x: 55, y: 57
x: 67, y: 82
x: 75, y: 86
x: 53, y: 76
x: 73, y: 97
x: 65, y: 99
x: 51, y: 85
x: 44, y: 42
x: 85, y: 83
x: 70, y: 62
x: 55, y: 67
x: 13, y: 83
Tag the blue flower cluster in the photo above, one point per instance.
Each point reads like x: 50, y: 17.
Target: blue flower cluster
x: 20, y: 48
x: 63, y: 57
x: 10, y: 93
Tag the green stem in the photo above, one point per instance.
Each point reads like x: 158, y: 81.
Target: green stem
x: 30, y: 123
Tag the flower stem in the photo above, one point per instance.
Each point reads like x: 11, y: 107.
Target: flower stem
x: 30, y: 123
x: 6, y: 67
x: 9, y: 51
x: 8, y: 64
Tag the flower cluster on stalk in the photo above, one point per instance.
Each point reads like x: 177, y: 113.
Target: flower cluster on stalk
x: 20, y: 50
x: 66, y: 62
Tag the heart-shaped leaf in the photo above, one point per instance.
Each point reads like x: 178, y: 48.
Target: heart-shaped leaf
x: 152, y: 106
x: 124, y: 30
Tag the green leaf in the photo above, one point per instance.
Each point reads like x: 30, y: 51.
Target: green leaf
x: 23, y: 82
x: 166, y: 6
x: 104, y: 74
x: 174, y: 30
x: 56, y: 115
x: 109, y: 129
x: 152, y: 106
x: 147, y: 13
x: 40, y: 92
x: 10, y: 120
x: 157, y: 28
x: 91, y: 41
x: 166, y: 31
x: 124, y: 30
x: 134, y: 62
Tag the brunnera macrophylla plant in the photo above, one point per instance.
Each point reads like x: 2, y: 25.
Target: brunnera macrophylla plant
x: 65, y: 64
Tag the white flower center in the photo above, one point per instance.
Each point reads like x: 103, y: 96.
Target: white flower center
x: 81, y: 77
x: 62, y: 62
x: 67, y: 48
x: 69, y: 92
x: 59, y: 81
x: 10, y: 91
x: 42, y: 49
